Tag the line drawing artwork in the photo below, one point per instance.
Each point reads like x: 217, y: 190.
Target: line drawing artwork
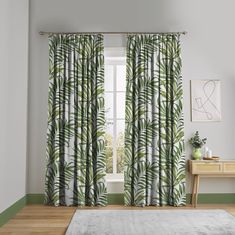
x: 205, y: 100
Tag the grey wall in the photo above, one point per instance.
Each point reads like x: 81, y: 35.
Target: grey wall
x: 207, y: 51
x: 13, y: 100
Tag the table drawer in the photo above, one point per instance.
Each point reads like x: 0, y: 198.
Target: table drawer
x: 229, y: 167
x: 207, y: 168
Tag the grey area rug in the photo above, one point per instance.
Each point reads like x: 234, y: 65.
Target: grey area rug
x: 159, y: 222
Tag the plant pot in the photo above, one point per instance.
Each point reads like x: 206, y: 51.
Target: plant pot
x: 197, y: 154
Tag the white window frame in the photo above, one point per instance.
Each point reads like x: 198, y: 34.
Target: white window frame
x: 115, y: 56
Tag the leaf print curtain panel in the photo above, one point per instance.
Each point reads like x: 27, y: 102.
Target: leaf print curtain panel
x: 154, y: 138
x: 75, y: 137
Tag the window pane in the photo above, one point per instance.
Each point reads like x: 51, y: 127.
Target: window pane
x: 109, y: 146
x: 109, y: 133
x: 121, y: 77
x: 120, y: 145
x: 108, y: 81
x: 120, y: 159
x: 121, y: 105
x: 120, y: 132
x: 109, y: 159
x: 108, y: 105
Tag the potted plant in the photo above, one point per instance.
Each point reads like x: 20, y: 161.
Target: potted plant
x: 197, y: 144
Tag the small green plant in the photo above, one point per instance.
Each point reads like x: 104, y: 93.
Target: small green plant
x: 196, y: 142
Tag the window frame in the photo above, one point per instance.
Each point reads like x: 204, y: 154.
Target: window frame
x: 114, y: 57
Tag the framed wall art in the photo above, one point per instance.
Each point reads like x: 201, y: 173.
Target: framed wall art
x: 205, y: 100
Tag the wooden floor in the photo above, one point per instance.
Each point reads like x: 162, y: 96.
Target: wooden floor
x: 39, y: 219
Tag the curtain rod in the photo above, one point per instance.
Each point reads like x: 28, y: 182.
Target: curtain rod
x: 48, y: 33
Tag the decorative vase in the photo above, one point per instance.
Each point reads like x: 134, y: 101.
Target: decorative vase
x: 197, y: 155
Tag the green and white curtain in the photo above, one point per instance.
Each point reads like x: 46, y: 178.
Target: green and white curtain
x: 75, y: 137
x: 154, y: 137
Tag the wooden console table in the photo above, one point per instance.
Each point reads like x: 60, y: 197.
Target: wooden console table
x: 209, y: 168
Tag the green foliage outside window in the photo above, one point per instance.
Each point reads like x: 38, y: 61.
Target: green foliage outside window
x: 109, y: 153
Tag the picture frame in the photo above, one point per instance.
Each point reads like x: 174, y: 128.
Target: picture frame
x: 205, y: 100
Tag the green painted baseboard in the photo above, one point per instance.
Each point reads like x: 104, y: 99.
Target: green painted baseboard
x: 208, y: 198
x: 35, y: 199
x: 118, y: 198
x: 113, y: 199
x: 12, y: 210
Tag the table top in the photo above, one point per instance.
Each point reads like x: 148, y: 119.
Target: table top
x: 221, y: 160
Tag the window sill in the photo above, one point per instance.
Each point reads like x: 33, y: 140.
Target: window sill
x: 115, y: 178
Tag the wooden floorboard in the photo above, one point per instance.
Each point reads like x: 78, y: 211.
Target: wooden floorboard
x: 39, y: 219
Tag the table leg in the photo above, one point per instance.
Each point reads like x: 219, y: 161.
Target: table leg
x: 193, y: 189
x: 196, y: 189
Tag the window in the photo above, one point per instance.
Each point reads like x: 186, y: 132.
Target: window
x: 115, y: 84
